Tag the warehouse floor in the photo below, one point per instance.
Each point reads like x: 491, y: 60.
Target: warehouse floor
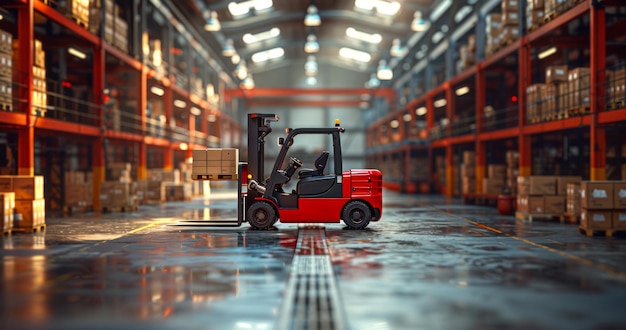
x: 431, y: 263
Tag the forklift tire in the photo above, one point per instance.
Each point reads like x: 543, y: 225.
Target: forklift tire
x: 356, y: 215
x: 261, y: 215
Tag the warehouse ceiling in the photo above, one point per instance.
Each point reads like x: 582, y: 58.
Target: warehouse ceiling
x: 344, y: 29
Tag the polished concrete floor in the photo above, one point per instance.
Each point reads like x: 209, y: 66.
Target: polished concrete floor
x: 430, y: 263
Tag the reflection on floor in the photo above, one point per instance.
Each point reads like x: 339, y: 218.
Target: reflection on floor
x: 430, y: 263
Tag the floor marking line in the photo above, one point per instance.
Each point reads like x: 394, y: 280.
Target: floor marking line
x: 587, y: 262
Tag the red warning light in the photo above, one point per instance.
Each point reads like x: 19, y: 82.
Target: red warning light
x: 66, y: 84
x: 514, y: 98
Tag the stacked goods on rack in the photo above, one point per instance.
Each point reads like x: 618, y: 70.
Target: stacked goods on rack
x: 164, y: 185
x: 118, y: 192
x: 579, y: 87
x: 115, y: 27
x: 534, y: 14
x: 78, y: 194
x: 493, y: 29
x: 6, y: 71
x: 467, y: 53
x: 617, y: 90
x: 557, y: 78
x: 573, y: 203
x: 542, y: 196
x: 510, y: 22
x: 40, y: 96
x: 95, y: 8
x: 440, y: 174
x: 468, y: 173
x: 532, y: 103
x: 78, y: 10
x: 603, y: 207
x: 30, y: 205
x: 512, y: 171
x: 493, y: 184
x: 7, y: 205
x: 554, y: 8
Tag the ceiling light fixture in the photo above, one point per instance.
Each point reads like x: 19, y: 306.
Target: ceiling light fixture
x: 384, y: 71
x: 421, y: 111
x: 248, y: 83
x: 235, y: 59
x: 373, y: 38
x: 310, y: 67
x: 407, y: 117
x: 157, y: 91
x: 250, y: 38
x: 354, y: 54
x: 312, y: 17
x: 267, y: 55
x: 311, y: 45
x: 394, y: 123
x: 77, y: 53
x: 440, y: 9
x: 373, y: 82
x: 229, y: 48
x: 396, y: 48
x: 382, y: 7
x: 546, y: 53
x: 241, y: 70
x: 212, y: 23
x: 311, y: 81
x: 440, y: 103
x: 419, y: 24
x: 195, y: 111
x: 462, y: 91
x: 243, y: 8
x: 180, y: 104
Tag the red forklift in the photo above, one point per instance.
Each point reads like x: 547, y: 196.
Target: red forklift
x: 354, y: 196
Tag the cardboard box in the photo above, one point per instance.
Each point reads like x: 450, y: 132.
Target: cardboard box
x: 199, y: 155
x: 531, y: 204
x: 469, y: 157
x: 496, y: 171
x: 554, y: 204
x: 542, y: 185
x: 522, y: 204
x: 557, y: 73
x: 572, y: 208
x: 7, y: 204
x: 24, y: 187
x: 563, y: 181
x: 596, y: 195
x: 523, y: 185
x: 512, y: 173
x: 619, y: 195
x: 510, y: 5
x: 512, y: 158
x: 214, y: 154
x: 619, y: 219
x: 32, y: 213
x: 493, y: 186
x: 595, y: 219
x: 468, y: 171
x: 573, y: 192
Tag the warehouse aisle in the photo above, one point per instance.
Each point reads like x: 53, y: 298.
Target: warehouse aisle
x: 431, y: 263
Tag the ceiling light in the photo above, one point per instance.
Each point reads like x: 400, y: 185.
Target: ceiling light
x: 438, y: 36
x: 407, y: 117
x: 212, y: 24
x: 195, y: 111
x: 311, y: 81
x: 268, y: 55
x: 462, y: 91
x: 373, y: 38
x: 310, y: 67
x: 212, y: 118
x: 241, y: 70
x: 311, y: 45
x: 248, y: 83
x: 210, y: 90
x: 235, y: 59
x: 440, y: 103
x: 547, y: 53
x: 312, y: 17
x: 381, y: 6
x: 374, y: 82
x: 243, y: 8
x: 157, y: 91
x: 396, y: 48
x: 180, y: 104
x: 384, y: 71
x: 440, y: 9
x: 394, y: 123
x: 229, y: 48
x: 462, y: 13
x: 354, y: 54
x: 77, y: 53
x: 250, y: 38
x: 1, y: 17
x: 421, y: 111
x: 419, y: 24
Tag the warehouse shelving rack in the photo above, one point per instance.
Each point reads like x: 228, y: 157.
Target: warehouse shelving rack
x: 119, y: 134
x: 491, y: 130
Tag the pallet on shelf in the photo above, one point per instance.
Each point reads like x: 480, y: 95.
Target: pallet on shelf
x: 617, y: 105
x: 571, y: 218
x: 581, y: 111
x: 34, y: 228
x: 7, y: 231
x: 530, y: 217
x: 589, y: 232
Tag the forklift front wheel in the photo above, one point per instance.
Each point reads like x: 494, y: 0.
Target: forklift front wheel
x: 356, y: 215
x: 261, y: 215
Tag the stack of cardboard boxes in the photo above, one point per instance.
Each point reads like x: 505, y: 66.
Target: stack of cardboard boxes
x: 510, y: 21
x: 118, y: 192
x: 579, y: 89
x: 40, y: 96
x: 573, y: 203
x: 468, y: 173
x: 215, y: 164
x: 6, y: 71
x: 78, y: 190
x: 512, y: 171
x: 493, y: 184
x: 534, y: 14
x: 493, y: 31
x: 603, y: 206
x: 543, y: 195
x: 617, y: 91
x: 30, y: 205
x: 7, y: 205
x: 115, y: 27
x: 555, y: 7
x: 467, y: 53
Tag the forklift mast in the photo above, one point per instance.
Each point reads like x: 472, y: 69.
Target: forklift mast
x: 258, y: 129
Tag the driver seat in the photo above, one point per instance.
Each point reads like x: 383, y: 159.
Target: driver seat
x: 320, y: 165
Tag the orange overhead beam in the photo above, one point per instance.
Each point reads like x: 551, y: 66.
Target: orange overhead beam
x: 285, y: 92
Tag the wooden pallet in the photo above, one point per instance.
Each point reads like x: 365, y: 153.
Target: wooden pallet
x: 580, y: 111
x: 617, y: 105
x: 589, y: 232
x: 127, y: 208
x: 549, y: 17
x: 530, y: 217
x: 533, y: 27
x: 571, y: 218
x: 214, y: 177
x: 6, y: 106
x: 80, y: 22
x: 32, y: 229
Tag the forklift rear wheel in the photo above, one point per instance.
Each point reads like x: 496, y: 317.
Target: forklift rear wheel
x: 356, y: 215
x: 261, y: 215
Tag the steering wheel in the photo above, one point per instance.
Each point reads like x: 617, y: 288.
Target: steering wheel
x: 295, y: 162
